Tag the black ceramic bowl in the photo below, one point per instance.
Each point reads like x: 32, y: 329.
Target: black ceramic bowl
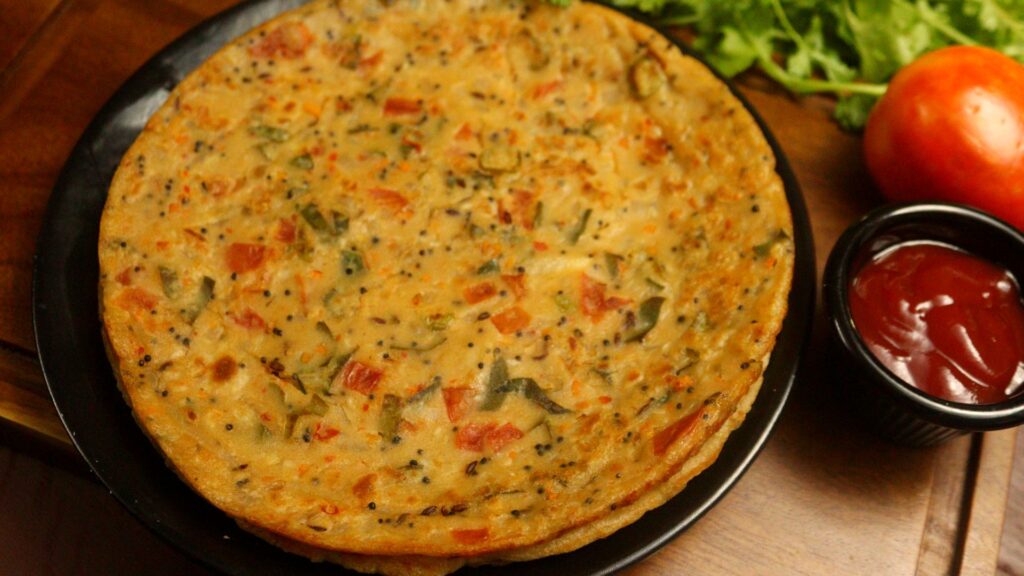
x: 892, y: 407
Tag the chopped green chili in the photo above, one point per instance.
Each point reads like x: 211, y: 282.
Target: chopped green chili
x: 647, y: 317
x: 580, y: 227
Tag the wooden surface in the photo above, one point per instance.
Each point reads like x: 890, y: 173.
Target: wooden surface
x: 823, y: 498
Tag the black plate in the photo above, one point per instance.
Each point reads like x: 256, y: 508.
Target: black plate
x: 75, y: 365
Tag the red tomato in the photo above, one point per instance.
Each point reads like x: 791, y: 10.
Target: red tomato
x: 951, y: 127
x: 501, y: 437
x: 243, y: 257
x: 516, y: 283
x: 399, y: 106
x: 457, y: 401
x: 389, y: 199
x: 360, y: 377
x: 593, y: 302
x: 471, y: 536
x: 479, y: 292
x: 511, y: 320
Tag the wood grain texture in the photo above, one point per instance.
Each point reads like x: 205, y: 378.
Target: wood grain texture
x: 55, y: 522
x: 1011, y: 549
x: 940, y: 550
x: 21, y: 20
x: 988, y: 504
x: 96, y: 45
x: 825, y: 497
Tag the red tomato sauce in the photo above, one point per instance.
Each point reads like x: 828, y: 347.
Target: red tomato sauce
x: 944, y: 321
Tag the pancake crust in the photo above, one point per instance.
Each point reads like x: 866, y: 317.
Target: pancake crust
x: 461, y: 280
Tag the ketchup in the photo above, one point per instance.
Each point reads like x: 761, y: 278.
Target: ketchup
x: 946, y: 322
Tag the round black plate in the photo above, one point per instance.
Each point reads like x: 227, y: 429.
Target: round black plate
x: 75, y: 365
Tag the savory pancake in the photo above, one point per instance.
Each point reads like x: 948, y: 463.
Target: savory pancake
x: 460, y: 280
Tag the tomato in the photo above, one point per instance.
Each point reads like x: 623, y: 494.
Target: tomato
x: 457, y: 402
x: 593, y: 301
x: 511, y: 320
x: 243, y: 257
x: 389, y: 199
x: 360, y: 377
x: 479, y: 292
x: 951, y: 127
x: 399, y: 106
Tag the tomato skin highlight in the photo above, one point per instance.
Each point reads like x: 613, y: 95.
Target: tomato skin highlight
x: 951, y: 127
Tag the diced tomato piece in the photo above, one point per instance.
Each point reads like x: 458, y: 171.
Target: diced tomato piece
x: 364, y: 487
x: 523, y: 206
x: 593, y: 302
x: 464, y: 133
x: 479, y: 292
x: 476, y: 437
x: 137, y: 299
x: 516, y: 283
x: 656, y: 149
x: 457, y: 402
x: 501, y: 437
x: 471, y: 436
x: 540, y: 246
x: 511, y: 320
x: 471, y: 536
x: 323, y: 433
x: 360, y: 377
x: 288, y: 41
x: 249, y: 319
x: 242, y: 257
x: 389, y: 199
x: 372, y: 61
x: 285, y: 231
x: 667, y: 436
x: 542, y: 90
x: 398, y: 106
x: 125, y: 277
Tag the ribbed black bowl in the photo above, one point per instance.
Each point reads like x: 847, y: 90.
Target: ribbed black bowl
x: 892, y: 407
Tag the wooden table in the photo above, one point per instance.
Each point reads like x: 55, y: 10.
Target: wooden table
x: 823, y: 498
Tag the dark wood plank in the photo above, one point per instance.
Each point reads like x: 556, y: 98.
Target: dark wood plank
x: 1011, y: 550
x: 20, y: 21
x: 56, y: 522
x: 71, y: 70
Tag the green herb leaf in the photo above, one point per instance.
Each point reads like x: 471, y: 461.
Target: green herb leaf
x: 421, y: 346
x: 312, y: 215
x: 613, y: 261
x: 169, y: 280
x: 533, y: 392
x: 390, y: 416
x: 203, y: 298
x: 494, y: 396
x: 269, y: 133
x: 763, y: 249
x: 564, y: 303
x: 646, y: 318
x: 351, y: 262
x: 581, y: 226
x: 422, y: 395
x: 489, y: 267
x: 303, y: 162
x: 538, y: 215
